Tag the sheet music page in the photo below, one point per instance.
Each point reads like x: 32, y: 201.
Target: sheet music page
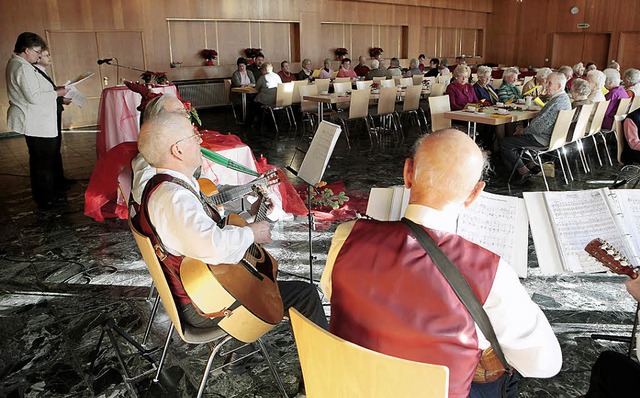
x: 76, y: 96
x: 499, y: 224
x: 79, y: 79
x: 317, y: 157
x: 626, y: 208
x: 577, y: 217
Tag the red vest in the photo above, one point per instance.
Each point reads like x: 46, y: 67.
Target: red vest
x: 388, y: 296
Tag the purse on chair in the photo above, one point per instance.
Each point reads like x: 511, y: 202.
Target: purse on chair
x: 493, y: 364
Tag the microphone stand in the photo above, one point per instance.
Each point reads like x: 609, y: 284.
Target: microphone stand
x: 118, y: 66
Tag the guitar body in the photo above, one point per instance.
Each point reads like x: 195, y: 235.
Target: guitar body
x: 254, y: 299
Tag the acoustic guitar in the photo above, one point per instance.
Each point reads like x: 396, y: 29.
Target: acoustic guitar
x: 608, y: 256
x: 245, y: 296
x: 216, y: 197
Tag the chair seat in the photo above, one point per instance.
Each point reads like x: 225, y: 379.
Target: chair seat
x: 193, y: 335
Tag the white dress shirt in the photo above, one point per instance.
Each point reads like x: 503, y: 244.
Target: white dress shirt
x: 186, y: 229
x: 524, y: 333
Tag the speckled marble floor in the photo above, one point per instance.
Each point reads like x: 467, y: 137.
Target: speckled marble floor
x: 64, y: 275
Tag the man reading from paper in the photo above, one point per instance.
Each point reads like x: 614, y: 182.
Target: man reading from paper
x: 387, y: 295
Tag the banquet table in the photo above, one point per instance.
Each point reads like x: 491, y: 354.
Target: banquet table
x: 118, y: 118
x: 490, y: 116
x: 244, y: 91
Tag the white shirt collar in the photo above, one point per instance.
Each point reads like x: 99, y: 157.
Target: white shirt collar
x: 431, y: 218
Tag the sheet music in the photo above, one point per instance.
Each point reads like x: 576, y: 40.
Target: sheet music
x: 577, y: 217
x: 76, y: 96
x: 317, y: 157
x: 627, y: 212
x: 499, y: 224
x: 79, y: 79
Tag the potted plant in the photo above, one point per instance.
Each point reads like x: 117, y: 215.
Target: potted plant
x: 340, y: 53
x: 375, y: 52
x: 160, y: 78
x: 209, y: 55
x: 251, y: 53
x: 146, y: 76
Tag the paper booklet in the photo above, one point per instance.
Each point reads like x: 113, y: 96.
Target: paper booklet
x: 79, y: 79
x: 496, y: 222
x: 315, y: 161
x: 562, y: 223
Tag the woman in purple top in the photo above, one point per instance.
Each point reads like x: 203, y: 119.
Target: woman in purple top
x: 615, y: 94
x: 326, y: 72
x: 460, y: 91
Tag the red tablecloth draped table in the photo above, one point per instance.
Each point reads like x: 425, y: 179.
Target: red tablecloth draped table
x: 103, y: 200
x: 118, y: 118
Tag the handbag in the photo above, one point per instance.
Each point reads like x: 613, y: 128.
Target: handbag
x: 493, y: 364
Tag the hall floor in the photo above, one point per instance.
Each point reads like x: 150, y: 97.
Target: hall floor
x: 64, y: 275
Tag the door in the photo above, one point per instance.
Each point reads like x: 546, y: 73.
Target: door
x: 571, y: 48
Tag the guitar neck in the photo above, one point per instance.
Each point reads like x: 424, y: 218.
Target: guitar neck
x: 235, y: 192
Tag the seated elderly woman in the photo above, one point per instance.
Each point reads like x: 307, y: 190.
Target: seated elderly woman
x: 632, y: 81
x: 241, y: 78
x: 345, y: 69
x: 460, y: 91
x: 484, y: 90
x: 285, y: 75
x: 568, y: 72
x: 631, y: 150
x: 615, y: 94
x: 596, y: 80
x: 590, y: 66
x: 414, y: 68
x: 434, y: 63
x: 578, y: 72
x: 508, y: 91
x: 326, y: 72
x: 306, y: 72
x: 579, y: 93
x: 535, y: 86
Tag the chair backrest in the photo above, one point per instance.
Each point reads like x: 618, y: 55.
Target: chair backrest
x: 635, y: 104
x: 323, y: 85
x: 527, y: 79
x: 598, y: 117
x: 342, y: 80
x: 334, y: 367
x: 438, y: 89
x: 159, y: 279
x: 519, y: 88
x: 227, y: 90
x: 379, y: 78
x: 444, y: 79
x: 308, y: 89
x: 580, y: 129
x: 363, y: 84
x: 359, y: 104
x: 431, y: 80
x: 623, y: 106
x: 387, y: 100
x: 284, y: 94
x: 437, y: 107
x: 474, y: 78
x: 412, y: 98
x: 396, y: 79
x: 561, y: 129
x: 341, y: 87
x: 387, y: 83
x: 496, y: 83
x: 296, y: 90
x: 406, y: 81
x: 618, y: 127
x: 417, y: 80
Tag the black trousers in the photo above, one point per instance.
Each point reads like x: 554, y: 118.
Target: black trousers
x: 300, y: 295
x: 42, y: 166
x: 614, y: 375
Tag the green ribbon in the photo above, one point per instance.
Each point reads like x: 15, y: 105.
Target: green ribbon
x: 226, y: 162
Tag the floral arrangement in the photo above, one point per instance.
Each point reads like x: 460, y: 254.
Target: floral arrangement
x: 375, y: 52
x: 252, y: 52
x: 323, y: 198
x: 208, y: 54
x: 150, y: 77
x: 192, y: 112
x: 375, y: 85
x: 341, y: 52
x: 147, y: 76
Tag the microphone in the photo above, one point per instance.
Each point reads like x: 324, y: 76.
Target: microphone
x: 105, y: 61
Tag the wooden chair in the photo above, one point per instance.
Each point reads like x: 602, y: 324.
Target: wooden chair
x: 557, y: 141
x: 379, y: 78
x: 323, y: 85
x: 526, y: 80
x: 215, y: 337
x: 618, y: 127
x: 227, y: 91
x: 411, y: 106
x: 296, y: 90
x: 579, y: 131
x: 387, y: 83
x: 342, y: 80
x: 635, y: 103
x: 596, y: 125
x: 438, y: 89
x: 437, y: 107
x: 496, y: 83
x: 284, y: 99
x: 333, y: 367
x: 363, y: 84
x: 309, y: 109
x: 406, y: 82
x: 417, y: 80
x: 386, y: 114
x: 431, y: 80
x: 444, y: 79
x: 341, y: 87
x: 358, y: 109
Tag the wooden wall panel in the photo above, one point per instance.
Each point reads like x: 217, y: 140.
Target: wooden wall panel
x: 567, y: 48
x: 277, y: 38
x: 333, y: 36
x: 629, y: 50
x: 233, y: 38
x: 362, y: 39
x: 596, y: 49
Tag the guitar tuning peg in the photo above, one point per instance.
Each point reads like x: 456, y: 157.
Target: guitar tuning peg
x: 609, y: 252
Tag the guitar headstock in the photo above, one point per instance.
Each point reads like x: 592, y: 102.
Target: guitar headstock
x: 271, y: 177
x: 611, y: 258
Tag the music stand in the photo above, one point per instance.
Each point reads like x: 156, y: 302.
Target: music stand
x: 313, y: 167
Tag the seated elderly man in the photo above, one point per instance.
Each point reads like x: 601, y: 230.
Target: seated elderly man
x: 414, y: 69
x: 285, y: 74
x: 306, y: 71
x: 538, y: 133
x: 267, y: 85
x: 174, y: 216
x: 394, y: 68
x: 615, y: 94
x: 256, y: 65
x: 508, y: 91
x: 345, y: 69
x: 387, y: 294
x: 632, y: 81
x: 535, y: 86
x: 361, y: 69
x: 376, y: 70
x: 596, y: 80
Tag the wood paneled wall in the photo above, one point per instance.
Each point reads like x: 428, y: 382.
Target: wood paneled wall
x: 512, y: 33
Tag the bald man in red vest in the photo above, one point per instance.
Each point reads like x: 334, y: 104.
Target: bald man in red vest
x: 387, y: 295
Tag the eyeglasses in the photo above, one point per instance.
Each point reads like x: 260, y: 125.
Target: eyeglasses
x: 39, y: 52
x: 195, y: 135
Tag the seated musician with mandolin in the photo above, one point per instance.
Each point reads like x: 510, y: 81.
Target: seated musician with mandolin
x: 387, y: 294
x: 177, y: 219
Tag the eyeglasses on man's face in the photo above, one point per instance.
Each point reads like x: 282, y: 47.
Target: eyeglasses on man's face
x: 198, y: 137
x: 39, y: 52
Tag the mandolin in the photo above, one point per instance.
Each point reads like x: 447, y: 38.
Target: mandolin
x: 611, y: 258
x: 217, y: 198
x: 245, y: 296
